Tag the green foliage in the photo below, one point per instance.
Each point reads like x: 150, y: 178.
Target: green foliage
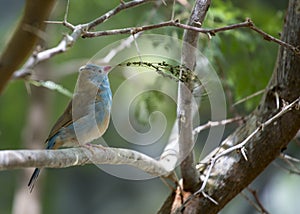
x: 242, y: 57
x: 150, y: 102
x: 13, y: 111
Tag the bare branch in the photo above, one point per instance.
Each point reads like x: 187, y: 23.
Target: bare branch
x: 175, y: 23
x: 249, y: 97
x: 241, y: 145
x: 69, y: 40
x: 171, y: 151
x: 257, y: 201
x: 289, y: 158
x: 291, y: 162
x: 91, y: 154
x: 170, y: 23
x: 210, y: 124
x: 271, y: 38
x: 113, y: 52
x: 83, y: 30
x: 123, y: 5
x: 190, y: 175
x: 67, y: 11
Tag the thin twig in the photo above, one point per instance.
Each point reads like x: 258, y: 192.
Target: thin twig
x: 113, y: 52
x: 210, y: 124
x: 173, y: 10
x: 67, y: 11
x: 289, y: 158
x: 284, y: 110
x: 241, y: 145
x: 211, y: 32
x: 268, y: 37
x: 296, y: 172
x: 53, y: 22
x: 82, y: 30
x: 174, y: 23
x: 123, y: 5
x: 257, y: 201
x: 291, y: 162
x: 250, y: 201
x: 137, y: 48
x: 249, y: 97
x: 69, y: 40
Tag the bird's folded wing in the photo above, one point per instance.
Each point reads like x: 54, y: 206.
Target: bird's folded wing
x: 63, y: 121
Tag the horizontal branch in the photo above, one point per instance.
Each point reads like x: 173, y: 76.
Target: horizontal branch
x: 172, y: 23
x: 83, y: 31
x: 210, y: 124
x: 175, y: 23
x: 91, y: 154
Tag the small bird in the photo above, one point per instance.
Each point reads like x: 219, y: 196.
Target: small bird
x: 86, y: 117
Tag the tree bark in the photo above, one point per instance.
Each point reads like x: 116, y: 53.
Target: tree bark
x: 232, y: 173
x: 25, y: 37
x: 189, y: 174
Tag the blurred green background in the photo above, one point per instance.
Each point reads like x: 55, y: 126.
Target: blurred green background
x: 242, y: 59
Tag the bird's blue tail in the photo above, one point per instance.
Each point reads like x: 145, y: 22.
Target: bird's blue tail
x: 36, y: 172
x: 33, y: 178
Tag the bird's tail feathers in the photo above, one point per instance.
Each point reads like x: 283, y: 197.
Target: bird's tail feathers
x: 33, y: 179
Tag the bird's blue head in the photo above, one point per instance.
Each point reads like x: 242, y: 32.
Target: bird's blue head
x: 94, y: 73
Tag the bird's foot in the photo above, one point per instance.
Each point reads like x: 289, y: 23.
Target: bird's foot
x: 90, y: 147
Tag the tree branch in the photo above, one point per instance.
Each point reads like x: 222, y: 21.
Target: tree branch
x: 189, y: 173
x: 69, y: 40
x: 82, y: 30
x: 241, y: 146
x: 25, y: 37
x: 123, y: 5
x: 91, y: 154
x: 210, y: 124
x: 263, y: 147
x: 175, y: 23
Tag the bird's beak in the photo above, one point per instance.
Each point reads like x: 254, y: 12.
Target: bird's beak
x: 106, y: 68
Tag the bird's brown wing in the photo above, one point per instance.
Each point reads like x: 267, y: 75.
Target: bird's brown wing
x: 64, y: 120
